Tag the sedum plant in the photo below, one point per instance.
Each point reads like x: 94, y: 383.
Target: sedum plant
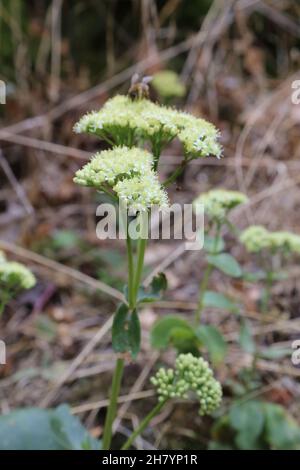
x: 14, y: 277
x: 187, y: 336
x: 273, y: 250
x: 128, y: 173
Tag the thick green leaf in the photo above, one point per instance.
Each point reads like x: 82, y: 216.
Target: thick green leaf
x: 145, y: 296
x: 248, y: 419
x: 163, y: 329
x: 214, y: 342
x: 185, y: 341
x: 38, y: 429
x: 218, y: 300
x: 120, y: 341
x: 255, y: 277
x: 134, y: 334
x: 211, y: 245
x: 274, y: 352
x: 159, y: 284
x: 246, y: 340
x: 282, y: 431
x: 226, y: 263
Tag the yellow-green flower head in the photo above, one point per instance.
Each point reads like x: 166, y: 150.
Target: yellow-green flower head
x: 127, y: 121
x: 141, y: 192
x: 257, y: 238
x: 168, y: 84
x: 190, y: 375
x: 16, y: 276
x: 109, y: 166
x: 286, y: 241
x: 219, y: 202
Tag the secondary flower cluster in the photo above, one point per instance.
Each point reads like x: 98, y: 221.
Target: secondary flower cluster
x: 128, y: 171
x: 167, y: 84
x: 126, y: 121
x: 257, y: 238
x: 219, y: 202
x: 191, y: 374
x: 15, y: 276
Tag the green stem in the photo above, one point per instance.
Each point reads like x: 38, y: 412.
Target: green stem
x: 175, y: 174
x: 134, y: 277
x: 267, y: 292
x: 108, y: 192
x: 203, y: 287
x: 143, y: 424
x: 118, y: 372
x: 142, y: 243
x: 156, y: 150
x: 112, y: 409
x: 206, y: 277
x: 131, y: 300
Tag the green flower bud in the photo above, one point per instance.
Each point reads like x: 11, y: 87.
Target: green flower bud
x: 188, y: 376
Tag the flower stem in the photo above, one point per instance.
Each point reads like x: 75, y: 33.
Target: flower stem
x: 175, y: 174
x: 206, y: 277
x: 134, y: 278
x: 130, y: 272
x: 267, y: 292
x: 112, y: 409
x: 142, y: 243
x: 143, y: 424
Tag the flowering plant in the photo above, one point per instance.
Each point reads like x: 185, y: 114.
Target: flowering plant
x: 128, y: 174
x: 13, y: 278
x: 179, y: 332
x: 273, y: 249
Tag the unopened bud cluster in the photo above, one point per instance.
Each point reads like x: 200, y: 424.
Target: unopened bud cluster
x: 190, y: 375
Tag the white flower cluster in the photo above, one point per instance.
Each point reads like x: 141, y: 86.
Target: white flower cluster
x: 128, y: 171
x: 191, y: 374
x: 128, y: 121
x: 109, y: 166
x: 257, y: 238
x: 15, y: 276
x: 139, y: 194
x: 218, y: 202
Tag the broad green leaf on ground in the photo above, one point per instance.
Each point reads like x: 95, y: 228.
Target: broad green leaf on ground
x: 248, y: 420
x: 218, y: 300
x: 213, y: 340
x: 163, y: 329
x: 282, y: 431
x: 38, y: 429
x: 185, y: 341
x: 226, y: 263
